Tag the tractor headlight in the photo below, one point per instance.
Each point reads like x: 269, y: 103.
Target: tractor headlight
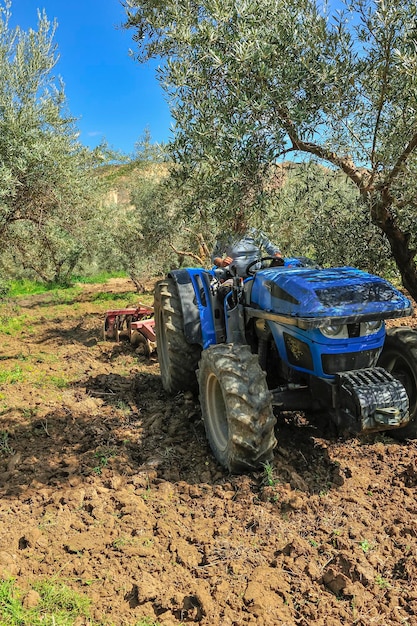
x: 334, y: 331
x: 371, y: 327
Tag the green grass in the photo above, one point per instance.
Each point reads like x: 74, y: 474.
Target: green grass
x: 105, y: 296
x: 42, y: 380
x: 102, y: 457
x: 57, y: 381
x: 14, y: 325
x: 365, y: 545
x: 5, y: 447
x: 58, y: 605
x: 30, y: 287
x: 29, y: 373
x: 382, y: 582
x: 57, y: 293
x: 11, y: 376
x: 269, y: 479
x: 101, y: 277
x: 26, y: 288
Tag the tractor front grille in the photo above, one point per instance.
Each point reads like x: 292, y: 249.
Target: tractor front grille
x: 333, y: 363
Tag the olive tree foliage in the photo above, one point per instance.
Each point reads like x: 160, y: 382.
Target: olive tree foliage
x: 146, y: 232
x: 169, y: 236
x: 133, y: 226
x: 47, y: 188
x: 149, y: 235
x: 318, y: 212
x: 251, y: 83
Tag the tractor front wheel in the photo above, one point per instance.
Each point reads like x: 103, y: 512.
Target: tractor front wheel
x: 399, y: 357
x: 178, y: 359
x: 236, y: 407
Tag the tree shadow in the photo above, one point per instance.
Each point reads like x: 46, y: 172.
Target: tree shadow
x: 128, y: 425
x: 79, y: 332
x: 302, y: 454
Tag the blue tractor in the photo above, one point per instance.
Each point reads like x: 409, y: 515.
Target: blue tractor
x: 287, y: 338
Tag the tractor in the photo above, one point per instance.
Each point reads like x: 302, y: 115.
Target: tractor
x: 297, y: 337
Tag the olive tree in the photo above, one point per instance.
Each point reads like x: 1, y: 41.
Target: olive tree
x: 47, y: 186
x: 251, y: 83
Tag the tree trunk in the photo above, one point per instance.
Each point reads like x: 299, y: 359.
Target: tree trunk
x: 399, y: 242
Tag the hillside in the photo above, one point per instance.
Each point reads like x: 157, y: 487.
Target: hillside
x: 119, y: 179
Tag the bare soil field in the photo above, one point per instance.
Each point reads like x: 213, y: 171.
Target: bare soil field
x: 108, y: 484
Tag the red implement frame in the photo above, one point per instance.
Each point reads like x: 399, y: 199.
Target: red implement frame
x: 120, y: 323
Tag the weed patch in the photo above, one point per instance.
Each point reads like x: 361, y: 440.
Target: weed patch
x: 55, y: 604
x: 11, y: 376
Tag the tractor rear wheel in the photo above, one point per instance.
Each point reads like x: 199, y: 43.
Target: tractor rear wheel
x: 178, y: 359
x: 236, y: 407
x: 399, y: 357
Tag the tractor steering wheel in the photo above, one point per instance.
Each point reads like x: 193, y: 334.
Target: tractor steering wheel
x: 276, y: 261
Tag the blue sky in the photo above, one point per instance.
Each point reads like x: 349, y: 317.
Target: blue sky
x: 113, y: 97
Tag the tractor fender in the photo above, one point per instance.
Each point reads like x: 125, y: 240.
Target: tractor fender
x: 190, y: 311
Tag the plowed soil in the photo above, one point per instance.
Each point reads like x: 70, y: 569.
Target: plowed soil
x: 107, y: 483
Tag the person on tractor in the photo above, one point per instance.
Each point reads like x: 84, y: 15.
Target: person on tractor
x: 234, y: 251
x: 237, y: 250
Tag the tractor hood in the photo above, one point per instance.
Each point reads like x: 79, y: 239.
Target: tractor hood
x: 312, y: 295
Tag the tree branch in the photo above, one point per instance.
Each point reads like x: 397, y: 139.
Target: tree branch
x: 360, y: 176
x: 189, y: 254
x: 381, y: 102
x: 201, y: 241
x: 411, y: 146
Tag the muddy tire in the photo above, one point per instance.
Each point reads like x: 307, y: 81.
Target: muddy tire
x: 399, y: 357
x: 178, y: 359
x: 236, y: 407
